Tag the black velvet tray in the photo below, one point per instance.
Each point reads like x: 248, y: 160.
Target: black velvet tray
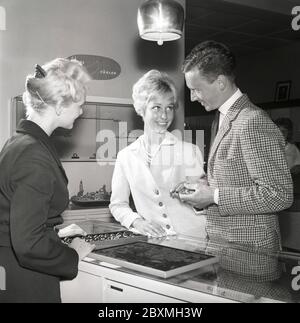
x: 154, y: 259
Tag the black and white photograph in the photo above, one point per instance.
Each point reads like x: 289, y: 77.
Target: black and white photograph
x: 149, y: 154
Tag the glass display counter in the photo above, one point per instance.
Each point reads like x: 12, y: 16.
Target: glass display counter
x: 238, y: 276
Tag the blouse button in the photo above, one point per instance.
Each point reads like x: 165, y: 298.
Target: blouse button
x: 160, y: 203
x: 164, y: 215
x: 168, y: 226
x: 156, y: 192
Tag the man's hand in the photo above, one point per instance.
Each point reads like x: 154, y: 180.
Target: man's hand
x: 182, y: 188
x: 187, y: 187
x: 200, y: 196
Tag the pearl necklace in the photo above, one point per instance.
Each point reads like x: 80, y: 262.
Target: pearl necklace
x: 148, y: 155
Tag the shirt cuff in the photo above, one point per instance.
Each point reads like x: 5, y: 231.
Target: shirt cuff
x: 198, y: 211
x: 216, y: 196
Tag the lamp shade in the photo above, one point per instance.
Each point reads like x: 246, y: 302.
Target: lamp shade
x: 160, y: 20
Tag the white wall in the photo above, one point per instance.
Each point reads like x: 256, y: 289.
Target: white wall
x: 40, y: 30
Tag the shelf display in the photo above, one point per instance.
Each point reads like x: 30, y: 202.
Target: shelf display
x: 91, y: 199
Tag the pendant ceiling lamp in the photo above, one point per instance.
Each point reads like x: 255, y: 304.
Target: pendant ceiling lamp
x: 160, y: 20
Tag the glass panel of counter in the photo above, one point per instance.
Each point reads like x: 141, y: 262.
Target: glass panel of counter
x: 241, y: 274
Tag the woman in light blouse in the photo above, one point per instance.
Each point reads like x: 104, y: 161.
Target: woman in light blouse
x: 151, y: 166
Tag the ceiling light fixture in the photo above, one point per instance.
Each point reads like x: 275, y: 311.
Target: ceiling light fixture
x: 160, y: 20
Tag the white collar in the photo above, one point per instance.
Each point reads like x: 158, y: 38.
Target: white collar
x: 229, y: 103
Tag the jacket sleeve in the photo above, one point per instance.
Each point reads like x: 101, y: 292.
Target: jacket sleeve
x: 262, y: 150
x: 119, y: 202
x: 37, y: 247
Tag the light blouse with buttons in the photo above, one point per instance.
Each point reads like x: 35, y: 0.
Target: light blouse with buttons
x: 150, y: 186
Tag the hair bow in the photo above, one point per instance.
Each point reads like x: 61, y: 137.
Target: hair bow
x: 39, y: 72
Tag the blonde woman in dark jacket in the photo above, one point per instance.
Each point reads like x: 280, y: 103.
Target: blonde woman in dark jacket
x: 33, y: 188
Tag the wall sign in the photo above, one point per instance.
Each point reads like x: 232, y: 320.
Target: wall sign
x: 99, y: 67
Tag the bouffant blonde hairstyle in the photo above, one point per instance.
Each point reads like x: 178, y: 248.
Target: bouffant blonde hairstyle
x: 59, y: 82
x: 149, y: 85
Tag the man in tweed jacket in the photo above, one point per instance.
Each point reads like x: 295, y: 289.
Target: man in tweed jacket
x: 247, y: 173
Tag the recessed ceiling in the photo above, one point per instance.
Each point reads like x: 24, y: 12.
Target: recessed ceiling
x: 244, y: 29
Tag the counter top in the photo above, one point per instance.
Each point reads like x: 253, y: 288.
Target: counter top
x: 233, y: 282
x: 229, y: 284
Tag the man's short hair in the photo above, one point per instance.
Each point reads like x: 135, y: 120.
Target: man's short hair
x: 212, y: 59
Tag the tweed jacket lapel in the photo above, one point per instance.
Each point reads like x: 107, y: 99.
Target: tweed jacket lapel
x: 226, y: 124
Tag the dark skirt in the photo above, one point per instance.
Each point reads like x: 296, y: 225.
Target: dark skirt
x: 23, y: 285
